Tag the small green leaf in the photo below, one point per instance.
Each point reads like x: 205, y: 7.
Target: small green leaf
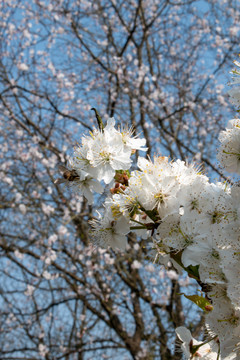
x: 193, y: 271
x: 200, y: 301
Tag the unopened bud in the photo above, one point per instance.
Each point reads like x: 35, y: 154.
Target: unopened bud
x: 208, y: 308
x: 119, y: 178
x: 122, y: 178
x: 125, y: 179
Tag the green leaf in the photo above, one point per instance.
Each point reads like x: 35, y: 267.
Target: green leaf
x: 193, y: 271
x: 200, y: 301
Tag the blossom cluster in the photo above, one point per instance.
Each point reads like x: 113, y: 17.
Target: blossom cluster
x: 100, y: 155
x: 185, y: 218
x: 190, y: 222
x: 229, y: 152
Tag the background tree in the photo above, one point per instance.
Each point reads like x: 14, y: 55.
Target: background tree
x: 156, y: 65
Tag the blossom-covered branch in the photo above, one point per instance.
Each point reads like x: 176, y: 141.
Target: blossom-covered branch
x: 184, y: 217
